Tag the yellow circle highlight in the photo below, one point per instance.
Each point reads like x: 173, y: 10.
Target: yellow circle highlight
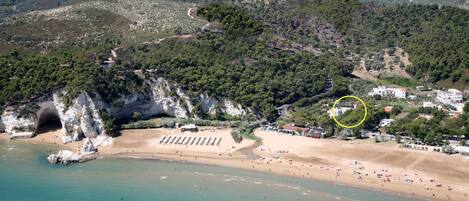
x: 348, y: 126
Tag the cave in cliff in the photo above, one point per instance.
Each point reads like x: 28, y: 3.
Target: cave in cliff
x: 48, y: 119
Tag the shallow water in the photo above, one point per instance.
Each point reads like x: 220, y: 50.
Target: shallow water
x: 25, y: 175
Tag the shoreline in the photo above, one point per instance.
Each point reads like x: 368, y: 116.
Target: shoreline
x: 320, y: 160
x: 166, y: 158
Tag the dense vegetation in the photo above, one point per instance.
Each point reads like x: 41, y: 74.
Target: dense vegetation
x: 240, y: 64
x: 431, y: 125
x: 24, y: 76
x: 436, y: 38
x: 266, y: 55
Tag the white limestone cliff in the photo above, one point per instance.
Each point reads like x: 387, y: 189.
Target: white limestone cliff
x: 233, y: 109
x: 81, y: 117
x: 17, y: 126
x: 211, y: 105
x: 165, y: 98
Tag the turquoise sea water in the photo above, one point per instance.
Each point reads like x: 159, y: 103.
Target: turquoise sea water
x: 26, y: 176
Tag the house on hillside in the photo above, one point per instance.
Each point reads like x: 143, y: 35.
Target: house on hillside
x: 449, y: 97
x: 339, y: 111
x: 383, y: 91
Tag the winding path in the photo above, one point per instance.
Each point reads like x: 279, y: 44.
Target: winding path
x: 191, y: 12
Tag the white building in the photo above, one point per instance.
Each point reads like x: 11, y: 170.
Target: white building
x: 383, y: 91
x: 339, y: 111
x: 449, y: 97
x: 385, y: 122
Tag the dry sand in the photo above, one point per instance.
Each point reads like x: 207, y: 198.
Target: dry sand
x: 148, y: 141
x: 50, y: 137
x: 360, y: 163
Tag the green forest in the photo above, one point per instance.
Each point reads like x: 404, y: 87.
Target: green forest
x: 436, y: 37
x: 262, y: 57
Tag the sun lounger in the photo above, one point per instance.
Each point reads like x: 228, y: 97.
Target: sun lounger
x: 198, y: 140
x: 162, y: 139
x: 213, y: 142
x: 218, y: 143
x: 208, y: 142
x: 167, y: 140
x: 177, y: 141
x: 174, y: 139
x: 188, y: 140
x: 193, y: 140
x: 182, y: 141
x: 203, y: 140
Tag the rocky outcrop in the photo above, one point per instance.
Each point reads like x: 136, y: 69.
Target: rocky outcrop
x: 79, y: 120
x: 66, y: 157
x: 16, y: 125
x: 233, y: 109
x: 88, y: 147
x: 212, y: 106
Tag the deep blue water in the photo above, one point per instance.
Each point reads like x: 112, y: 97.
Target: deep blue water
x: 26, y: 176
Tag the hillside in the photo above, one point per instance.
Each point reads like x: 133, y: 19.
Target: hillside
x: 261, y: 55
x: 435, y: 38
x: 88, y: 22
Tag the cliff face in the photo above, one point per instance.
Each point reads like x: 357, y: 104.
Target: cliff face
x: 167, y: 99
x: 162, y: 99
x: 81, y: 118
x: 16, y: 125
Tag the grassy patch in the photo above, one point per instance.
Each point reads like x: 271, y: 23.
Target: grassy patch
x: 403, y: 82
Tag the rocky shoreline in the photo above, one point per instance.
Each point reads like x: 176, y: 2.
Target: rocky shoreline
x: 87, y: 153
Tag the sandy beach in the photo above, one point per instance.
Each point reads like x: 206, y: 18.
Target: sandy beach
x: 359, y: 163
